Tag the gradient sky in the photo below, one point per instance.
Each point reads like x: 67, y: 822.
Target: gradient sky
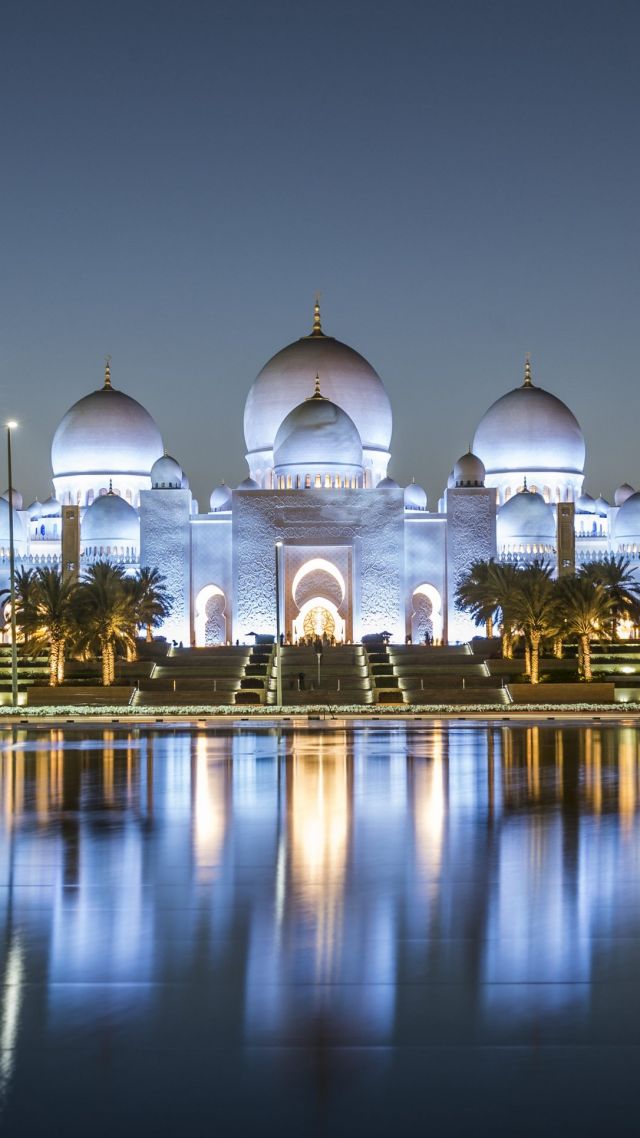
x: 460, y: 180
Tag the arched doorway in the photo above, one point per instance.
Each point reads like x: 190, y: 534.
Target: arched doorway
x: 319, y: 617
x: 426, y: 616
x: 210, y: 619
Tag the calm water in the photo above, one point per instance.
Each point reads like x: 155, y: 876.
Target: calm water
x: 385, y: 930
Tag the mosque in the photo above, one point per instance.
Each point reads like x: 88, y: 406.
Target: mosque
x: 318, y: 538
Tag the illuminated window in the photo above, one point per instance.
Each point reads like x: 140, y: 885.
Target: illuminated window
x: 338, y: 481
x: 318, y: 481
x: 327, y: 481
x: 289, y: 482
x: 307, y: 481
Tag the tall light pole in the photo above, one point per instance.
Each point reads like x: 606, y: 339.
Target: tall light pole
x: 11, y: 426
x: 278, y: 648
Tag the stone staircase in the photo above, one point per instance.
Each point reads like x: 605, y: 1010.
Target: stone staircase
x: 32, y: 670
x: 206, y: 676
x: 413, y: 674
x: 344, y: 676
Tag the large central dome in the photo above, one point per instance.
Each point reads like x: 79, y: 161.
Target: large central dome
x: 348, y: 380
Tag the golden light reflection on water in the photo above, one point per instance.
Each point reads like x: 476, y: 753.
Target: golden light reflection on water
x: 210, y: 805
x: 429, y: 806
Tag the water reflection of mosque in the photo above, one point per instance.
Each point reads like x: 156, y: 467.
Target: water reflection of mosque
x: 314, y: 871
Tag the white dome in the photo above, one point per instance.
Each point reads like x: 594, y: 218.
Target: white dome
x: 248, y: 484
x: 34, y: 510
x: 317, y: 434
x: 415, y: 497
x: 387, y: 484
x: 524, y: 519
x: 110, y: 521
x: 626, y: 526
x: 166, y: 474
x: 17, y: 500
x: 585, y: 504
x: 220, y: 498
x: 602, y: 506
x: 469, y: 471
x: 530, y: 430
x: 51, y: 508
x: 348, y: 380
x: 105, y: 433
x: 622, y: 493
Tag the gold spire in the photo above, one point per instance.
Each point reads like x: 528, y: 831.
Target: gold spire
x: 525, y: 488
x: 107, y: 374
x: 527, y: 371
x: 317, y: 323
x: 111, y: 486
x: 317, y: 394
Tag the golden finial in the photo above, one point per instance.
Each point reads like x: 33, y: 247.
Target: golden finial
x: 111, y: 485
x: 525, y: 488
x: 527, y: 371
x: 107, y: 374
x: 317, y: 323
x: 317, y: 394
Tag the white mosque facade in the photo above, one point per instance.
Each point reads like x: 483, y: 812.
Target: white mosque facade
x: 349, y: 551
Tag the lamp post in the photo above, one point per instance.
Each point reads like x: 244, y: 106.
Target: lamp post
x: 278, y: 651
x: 11, y: 425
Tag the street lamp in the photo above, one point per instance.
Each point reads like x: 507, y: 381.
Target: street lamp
x: 278, y: 651
x: 11, y: 426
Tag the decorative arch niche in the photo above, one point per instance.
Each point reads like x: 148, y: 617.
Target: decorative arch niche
x: 426, y: 615
x: 210, y: 617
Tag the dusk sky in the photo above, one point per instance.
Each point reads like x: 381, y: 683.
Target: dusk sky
x: 459, y: 180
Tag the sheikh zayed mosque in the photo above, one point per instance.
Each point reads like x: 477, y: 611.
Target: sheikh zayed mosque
x: 318, y: 533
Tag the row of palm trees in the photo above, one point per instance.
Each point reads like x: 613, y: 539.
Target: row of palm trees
x: 97, y: 616
x: 530, y: 605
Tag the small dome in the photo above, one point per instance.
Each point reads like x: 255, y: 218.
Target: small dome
x: 18, y: 530
x: 16, y: 496
x: 469, y: 471
x: 626, y: 526
x: 415, y: 497
x: 51, y: 508
x: 34, y: 511
x: 109, y: 520
x: 317, y: 434
x: 585, y: 504
x: 602, y: 506
x: 220, y: 498
x: 622, y: 493
x: 387, y: 484
x: 166, y: 474
x: 524, y: 519
x: 248, y: 484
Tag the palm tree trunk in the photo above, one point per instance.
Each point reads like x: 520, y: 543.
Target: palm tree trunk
x: 507, y: 646
x: 558, y: 647
x: 150, y: 633
x: 488, y: 629
x: 53, y: 663
x: 534, y: 657
x: 61, y: 660
x: 106, y: 664
x: 527, y: 657
x: 586, y: 658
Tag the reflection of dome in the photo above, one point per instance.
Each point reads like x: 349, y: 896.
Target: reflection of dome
x: 220, y: 498
x: 317, y: 437
x: 415, y: 498
x: 105, y: 434
x: 348, y: 380
x: 16, y: 498
x: 387, y: 484
x: 585, y: 504
x: 248, y: 484
x: 469, y: 471
x: 166, y: 473
x: 622, y: 493
x: 626, y: 526
x: 524, y: 519
x: 529, y: 431
x: 110, y: 521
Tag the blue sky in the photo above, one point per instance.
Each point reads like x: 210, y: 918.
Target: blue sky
x: 458, y: 180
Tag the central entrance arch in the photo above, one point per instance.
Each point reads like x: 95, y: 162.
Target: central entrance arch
x: 319, y: 617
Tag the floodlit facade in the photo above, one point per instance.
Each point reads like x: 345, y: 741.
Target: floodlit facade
x: 357, y: 554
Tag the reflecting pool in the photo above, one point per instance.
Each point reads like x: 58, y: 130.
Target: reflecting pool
x: 385, y: 929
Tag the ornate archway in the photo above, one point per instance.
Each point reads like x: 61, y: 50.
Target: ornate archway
x: 426, y: 616
x: 319, y: 617
x: 210, y: 623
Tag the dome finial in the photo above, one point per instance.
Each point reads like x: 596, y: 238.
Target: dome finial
x: 525, y: 488
x: 527, y: 371
x: 107, y: 374
x: 317, y: 323
x: 111, y: 485
x: 317, y: 394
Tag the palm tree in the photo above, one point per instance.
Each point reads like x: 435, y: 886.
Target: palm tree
x: 619, y: 581
x: 107, y: 617
x: 586, y: 608
x: 55, y: 619
x: 475, y: 595
x: 26, y: 587
x: 537, y: 612
x: 153, y: 604
x: 503, y: 584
